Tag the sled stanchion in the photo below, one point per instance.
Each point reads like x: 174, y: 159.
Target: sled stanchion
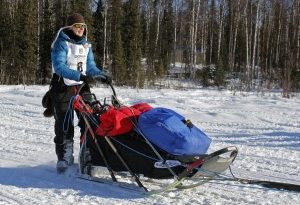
x: 105, y: 161
x: 156, y: 153
x: 124, y: 163
x: 117, y: 104
x: 99, y: 149
x: 82, y: 147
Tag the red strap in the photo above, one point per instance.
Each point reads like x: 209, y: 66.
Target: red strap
x: 82, y: 138
x: 75, y: 89
x: 194, y: 165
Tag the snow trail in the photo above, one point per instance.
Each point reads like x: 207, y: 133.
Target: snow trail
x: 266, y: 129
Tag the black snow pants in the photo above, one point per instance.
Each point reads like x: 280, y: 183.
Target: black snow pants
x: 61, y: 96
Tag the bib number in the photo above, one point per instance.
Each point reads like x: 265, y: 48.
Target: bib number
x: 79, y: 67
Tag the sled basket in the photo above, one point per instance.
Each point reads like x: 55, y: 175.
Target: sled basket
x: 132, y: 153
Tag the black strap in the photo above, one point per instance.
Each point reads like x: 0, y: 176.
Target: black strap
x: 272, y: 184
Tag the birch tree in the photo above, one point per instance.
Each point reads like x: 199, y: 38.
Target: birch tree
x: 255, y: 35
x: 221, y: 27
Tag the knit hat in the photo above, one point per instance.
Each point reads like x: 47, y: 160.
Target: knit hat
x: 75, y: 18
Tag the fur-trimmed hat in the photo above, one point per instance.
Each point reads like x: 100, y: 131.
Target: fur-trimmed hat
x: 75, y: 18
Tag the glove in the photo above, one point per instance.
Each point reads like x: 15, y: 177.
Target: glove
x: 107, y: 79
x: 104, y: 79
x: 86, y: 79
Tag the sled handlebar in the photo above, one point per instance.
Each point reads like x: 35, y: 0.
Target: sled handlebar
x: 113, y: 90
x: 115, y: 102
x: 109, y: 84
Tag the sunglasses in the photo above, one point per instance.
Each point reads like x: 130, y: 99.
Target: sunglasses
x: 79, y: 25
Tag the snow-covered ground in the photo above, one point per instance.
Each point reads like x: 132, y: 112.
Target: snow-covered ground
x: 266, y: 129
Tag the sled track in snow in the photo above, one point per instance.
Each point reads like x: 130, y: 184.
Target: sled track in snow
x: 23, y: 197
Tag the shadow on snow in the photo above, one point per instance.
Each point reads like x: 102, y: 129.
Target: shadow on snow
x: 45, y: 177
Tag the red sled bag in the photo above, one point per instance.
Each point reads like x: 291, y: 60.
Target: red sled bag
x: 118, y: 121
x: 143, y: 107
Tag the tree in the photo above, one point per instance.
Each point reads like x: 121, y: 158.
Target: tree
x: 99, y: 30
x: 166, y: 37
x: 254, y: 40
x: 193, y: 35
x: 152, y: 51
x: 116, y: 43
x: 27, y: 43
x: 46, y: 37
x: 61, y: 12
x: 5, y: 40
x: 254, y: 50
x: 132, y: 49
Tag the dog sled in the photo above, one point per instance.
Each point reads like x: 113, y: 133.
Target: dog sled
x: 148, y: 149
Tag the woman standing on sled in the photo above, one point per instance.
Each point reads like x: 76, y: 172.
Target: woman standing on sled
x: 72, y: 64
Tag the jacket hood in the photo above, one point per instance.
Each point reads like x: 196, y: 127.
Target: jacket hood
x: 62, y: 35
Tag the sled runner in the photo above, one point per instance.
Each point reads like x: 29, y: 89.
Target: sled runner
x: 146, y: 144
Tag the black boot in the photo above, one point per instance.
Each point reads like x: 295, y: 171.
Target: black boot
x: 61, y: 164
x: 68, y: 152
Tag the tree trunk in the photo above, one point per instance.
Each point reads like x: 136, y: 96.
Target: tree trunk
x: 158, y: 23
x: 248, y: 39
x: 297, y: 65
x: 203, y: 39
x: 235, y: 33
x: 175, y: 33
x: 278, y: 38
x: 194, y: 31
x: 105, y: 34
x: 221, y: 16
x: 191, y: 41
x: 255, y: 36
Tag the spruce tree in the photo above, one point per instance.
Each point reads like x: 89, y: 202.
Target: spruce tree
x: 116, y: 43
x: 60, y: 14
x: 144, y: 33
x: 98, y: 24
x: 166, y: 37
x: 5, y: 41
x: 27, y: 42
x: 132, y: 44
x: 46, y: 38
x: 151, y: 47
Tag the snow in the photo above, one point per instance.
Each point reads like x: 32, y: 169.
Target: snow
x: 264, y: 127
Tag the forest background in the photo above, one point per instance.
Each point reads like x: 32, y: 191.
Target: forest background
x: 255, y: 43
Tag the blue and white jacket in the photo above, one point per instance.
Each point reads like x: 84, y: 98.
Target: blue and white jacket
x: 70, y: 59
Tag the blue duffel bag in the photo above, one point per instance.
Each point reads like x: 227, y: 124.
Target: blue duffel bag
x: 172, y: 133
